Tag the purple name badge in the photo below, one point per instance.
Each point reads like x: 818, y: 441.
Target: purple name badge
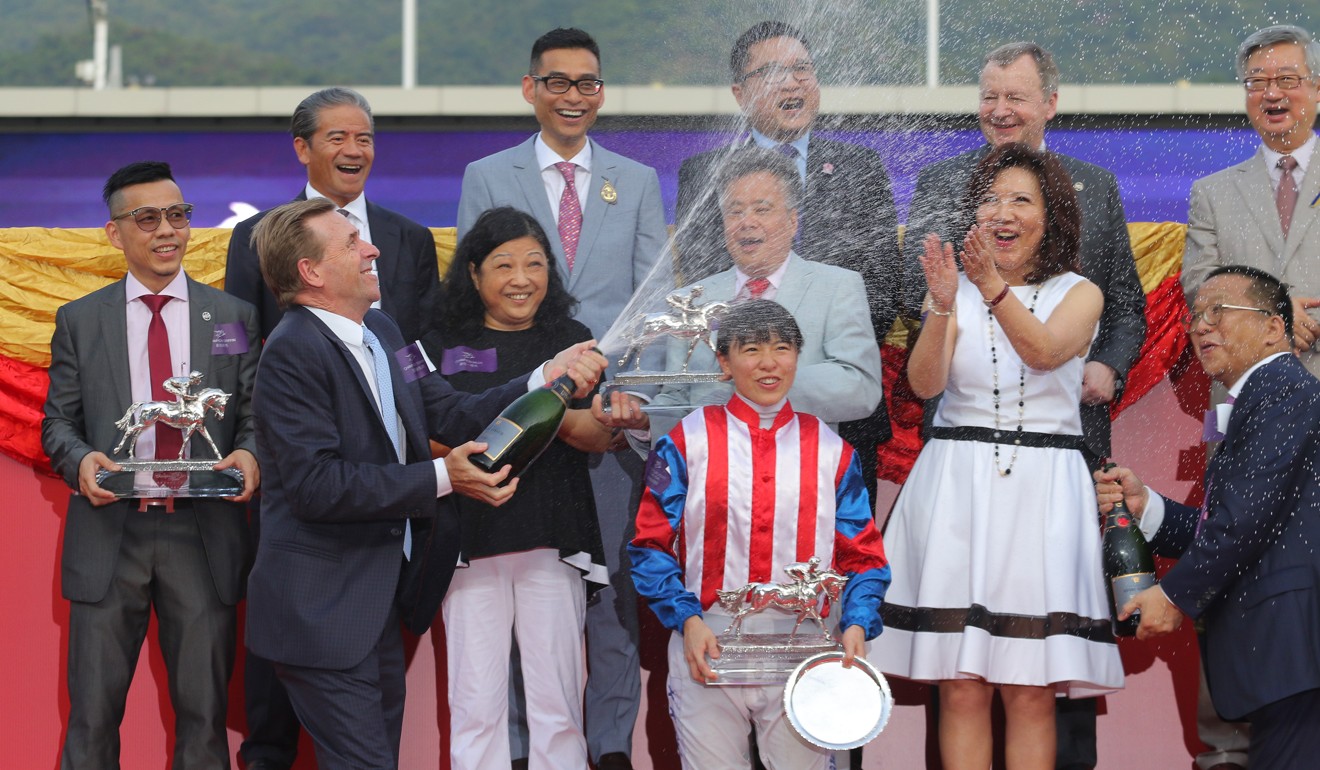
x: 229, y: 339
x: 465, y: 359
x: 656, y: 473
x: 413, y: 362
x: 1210, y: 430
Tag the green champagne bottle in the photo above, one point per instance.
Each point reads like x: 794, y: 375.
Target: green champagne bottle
x: 525, y: 428
x: 1129, y: 567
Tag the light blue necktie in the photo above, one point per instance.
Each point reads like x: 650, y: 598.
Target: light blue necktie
x: 385, y: 386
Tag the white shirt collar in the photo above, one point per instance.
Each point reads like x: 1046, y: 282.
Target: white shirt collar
x: 346, y: 329
x: 1242, y: 381
x: 547, y: 158
x: 776, y: 278
x: 799, y: 144
x: 357, y: 207
x: 176, y: 288
x: 1302, y: 155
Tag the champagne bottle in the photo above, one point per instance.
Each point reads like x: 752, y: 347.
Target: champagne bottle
x: 525, y: 428
x: 1129, y: 567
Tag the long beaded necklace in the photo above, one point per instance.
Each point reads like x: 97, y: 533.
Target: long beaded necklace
x: 1022, y: 387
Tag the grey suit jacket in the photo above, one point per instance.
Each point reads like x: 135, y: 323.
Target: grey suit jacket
x: 1106, y: 256
x: 89, y: 390
x: 1232, y: 221
x: 621, y: 242
x: 838, y: 376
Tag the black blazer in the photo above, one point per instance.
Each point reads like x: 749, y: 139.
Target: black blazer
x: 1252, y: 573
x: 409, y: 274
x: 334, y: 497
x: 1106, y: 256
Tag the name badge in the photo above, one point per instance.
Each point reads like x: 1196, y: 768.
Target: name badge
x: 656, y: 473
x: 465, y: 359
x: 229, y: 339
x: 413, y: 362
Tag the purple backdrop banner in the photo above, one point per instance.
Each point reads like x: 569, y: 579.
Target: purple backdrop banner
x: 54, y: 179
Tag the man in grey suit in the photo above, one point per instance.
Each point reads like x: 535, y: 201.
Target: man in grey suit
x: 1237, y: 216
x: 185, y: 558
x: 838, y: 374
x: 605, y: 220
x: 1019, y: 95
x: 847, y: 216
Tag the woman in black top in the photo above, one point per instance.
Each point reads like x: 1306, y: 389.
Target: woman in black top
x: 504, y: 311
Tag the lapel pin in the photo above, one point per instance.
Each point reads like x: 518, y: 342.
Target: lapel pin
x: 827, y: 169
x: 206, y: 315
x: 1078, y: 186
x: 608, y: 193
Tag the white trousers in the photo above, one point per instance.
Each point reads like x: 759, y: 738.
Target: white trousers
x: 542, y: 600
x: 713, y: 723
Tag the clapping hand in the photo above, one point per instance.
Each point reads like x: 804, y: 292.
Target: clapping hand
x: 941, y: 272
x: 978, y: 258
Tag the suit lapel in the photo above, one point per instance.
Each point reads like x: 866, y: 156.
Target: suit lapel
x: 201, y: 329
x: 1305, y: 215
x: 407, y: 405
x: 114, y: 338
x: 796, y: 285
x: 1253, y: 185
x: 527, y: 177
x: 385, y: 235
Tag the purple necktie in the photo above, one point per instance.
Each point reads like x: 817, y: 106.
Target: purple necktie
x: 570, y: 214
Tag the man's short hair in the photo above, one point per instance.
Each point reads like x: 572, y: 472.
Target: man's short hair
x: 757, y: 321
x: 307, y: 116
x: 752, y: 160
x: 1005, y: 55
x: 759, y: 33
x: 282, y: 238
x: 142, y: 172
x: 560, y: 38
x: 1265, y: 290
x: 1276, y: 35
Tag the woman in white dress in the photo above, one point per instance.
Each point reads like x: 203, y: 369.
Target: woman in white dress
x: 994, y: 543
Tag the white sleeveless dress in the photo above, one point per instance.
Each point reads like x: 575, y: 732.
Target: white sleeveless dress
x: 996, y: 577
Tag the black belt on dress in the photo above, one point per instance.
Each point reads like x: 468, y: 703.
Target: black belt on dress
x: 1008, y: 437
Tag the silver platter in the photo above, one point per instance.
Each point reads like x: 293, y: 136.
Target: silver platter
x: 837, y: 708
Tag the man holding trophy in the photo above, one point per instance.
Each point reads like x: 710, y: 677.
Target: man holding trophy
x: 154, y: 545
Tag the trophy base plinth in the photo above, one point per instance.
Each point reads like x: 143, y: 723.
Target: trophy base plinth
x: 135, y: 479
x: 630, y: 378
x: 765, y: 659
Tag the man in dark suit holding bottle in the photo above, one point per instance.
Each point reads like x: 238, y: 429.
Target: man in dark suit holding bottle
x: 334, y: 137
x: 1248, y: 566
x: 847, y: 216
x: 358, y: 530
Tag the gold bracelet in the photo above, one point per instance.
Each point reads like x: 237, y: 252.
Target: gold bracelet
x: 930, y: 308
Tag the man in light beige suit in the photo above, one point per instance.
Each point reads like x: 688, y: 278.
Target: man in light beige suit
x: 1239, y: 215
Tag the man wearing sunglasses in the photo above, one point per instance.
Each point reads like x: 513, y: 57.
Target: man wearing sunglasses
x: 183, y: 557
x: 606, y: 223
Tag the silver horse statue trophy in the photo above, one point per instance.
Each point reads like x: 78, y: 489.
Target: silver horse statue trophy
x: 687, y: 321
x: 188, y: 414
x: 800, y: 595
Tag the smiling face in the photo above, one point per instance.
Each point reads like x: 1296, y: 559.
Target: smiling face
x: 153, y: 258
x: 1241, y: 338
x: 512, y: 282
x: 762, y: 372
x: 338, y: 156
x: 1014, y: 106
x: 565, y: 118
x: 1014, y: 210
x: 785, y: 110
x: 1285, y: 120
x: 342, y: 278
x: 758, y: 225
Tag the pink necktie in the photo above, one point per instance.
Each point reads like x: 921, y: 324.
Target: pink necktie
x: 169, y: 441
x: 1286, y: 197
x: 757, y: 287
x: 570, y: 214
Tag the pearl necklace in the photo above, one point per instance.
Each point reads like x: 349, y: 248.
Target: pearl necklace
x: 1022, y: 386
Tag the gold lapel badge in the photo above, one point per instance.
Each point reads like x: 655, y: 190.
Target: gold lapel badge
x: 608, y: 193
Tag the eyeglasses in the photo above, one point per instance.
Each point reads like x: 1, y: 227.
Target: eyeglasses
x: 1284, y: 82
x: 1212, y: 315
x: 148, y: 218
x: 774, y: 72
x: 560, y: 85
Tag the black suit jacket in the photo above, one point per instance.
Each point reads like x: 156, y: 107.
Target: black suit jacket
x: 1106, y: 256
x: 847, y: 219
x: 1252, y: 572
x: 409, y: 274
x: 90, y: 389
x: 330, y: 561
